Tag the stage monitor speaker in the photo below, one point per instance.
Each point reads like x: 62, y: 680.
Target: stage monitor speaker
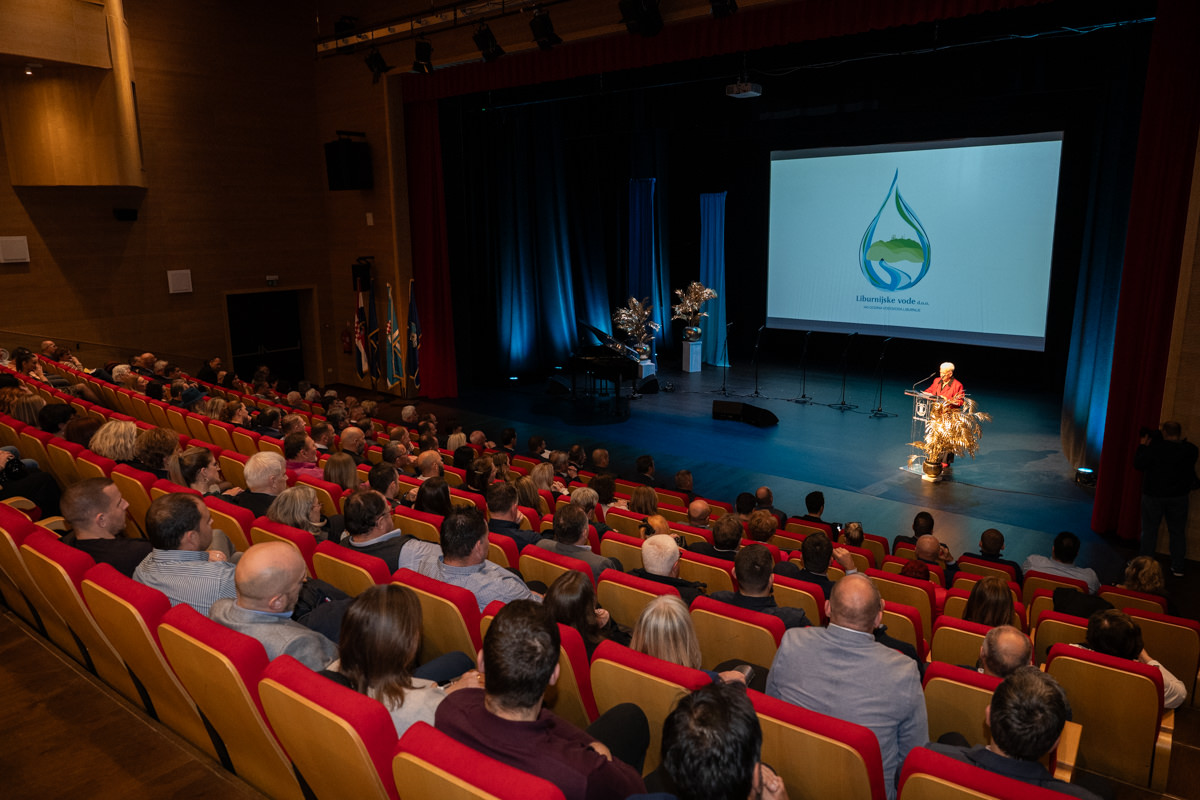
x: 744, y: 412
x: 348, y: 165
x: 647, y: 385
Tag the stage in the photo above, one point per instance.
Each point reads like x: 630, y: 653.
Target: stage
x: 1019, y: 483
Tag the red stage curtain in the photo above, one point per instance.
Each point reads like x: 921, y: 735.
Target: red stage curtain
x: 1153, y: 248
x: 431, y: 262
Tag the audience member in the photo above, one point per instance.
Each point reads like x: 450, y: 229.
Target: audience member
x: 384, y: 479
x: 852, y: 534
x: 301, y: 453
x: 504, y: 515
x: 922, y: 524
x: 660, y: 563
x: 753, y: 568
x: 572, y: 602
x: 842, y: 671
x: 115, y: 440
x: 1114, y: 633
x: 684, y: 483
x: 571, y: 539
x: 1064, y: 552
x: 817, y: 551
x: 433, y: 497
x: 1167, y: 462
x: 1004, y: 650
x: 711, y: 746
x: 340, y: 469
x: 1026, y: 718
x: 698, y: 513
x: 934, y: 553
x: 644, y: 471
x: 96, y: 511
x: 381, y: 637
x: 265, y: 474
x: 354, y: 444
x: 765, y: 499
x: 299, y: 507
x: 371, y: 529
x: 727, y: 536
x: 990, y: 603
x: 506, y: 720
x: 991, y: 545
x: 664, y: 630
x: 197, y: 468
x: 586, y: 498
x: 762, y: 525
x: 464, y: 561
x: 181, y: 565
x: 268, y: 580
x: 643, y: 500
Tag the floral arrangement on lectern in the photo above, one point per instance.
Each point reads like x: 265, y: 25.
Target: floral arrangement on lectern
x: 953, y: 431
x: 633, y: 319
x: 688, y: 308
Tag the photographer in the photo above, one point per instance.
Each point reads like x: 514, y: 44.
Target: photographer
x: 1167, y: 462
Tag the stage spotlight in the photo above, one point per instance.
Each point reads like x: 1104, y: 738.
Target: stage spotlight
x: 1085, y: 477
x: 376, y: 64
x: 543, y: 30
x: 641, y: 16
x: 723, y: 8
x: 485, y: 40
x: 424, y: 60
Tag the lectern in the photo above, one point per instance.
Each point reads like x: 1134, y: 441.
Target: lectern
x: 925, y: 406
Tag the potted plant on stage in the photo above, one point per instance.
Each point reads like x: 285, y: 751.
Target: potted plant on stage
x: 688, y: 308
x: 950, y: 430
x: 633, y: 319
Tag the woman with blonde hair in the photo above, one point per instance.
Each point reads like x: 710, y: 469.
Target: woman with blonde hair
x: 299, y: 507
x: 665, y: 631
x: 643, y: 500
x: 116, y: 439
x: 341, y: 469
x: 26, y: 408
x: 527, y: 495
x: 214, y: 407
x: 1144, y: 574
x: 543, y: 478
x: 990, y: 603
x: 503, y: 473
x: 378, y: 646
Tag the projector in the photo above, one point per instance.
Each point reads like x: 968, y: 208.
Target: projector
x: 743, y: 89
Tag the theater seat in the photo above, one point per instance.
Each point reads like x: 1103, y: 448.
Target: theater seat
x: 572, y: 697
x: 625, y: 595
x: 264, y: 530
x: 424, y: 526
x: 221, y: 668
x: 955, y: 699
x: 315, y: 717
x: 348, y: 569
x: 129, y: 614
x: 1174, y: 642
x: 539, y: 564
x: 1055, y: 628
x: 502, y: 550
x: 1127, y: 598
x: 1040, y: 580
x: 932, y: 776
x: 431, y: 764
x: 801, y: 594
x: 15, y: 528
x: 626, y: 549
x: 728, y: 632
x: 956, y: 641
x: 985, y: 568
x: 135, y: 488
x: 840, y: 759
x: 449, y: 616
x: 715, y: 573
x: 621, y: 675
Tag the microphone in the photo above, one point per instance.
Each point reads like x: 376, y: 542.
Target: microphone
x: 927, y: 377
x: 728, y: 324
x: 762, y: 328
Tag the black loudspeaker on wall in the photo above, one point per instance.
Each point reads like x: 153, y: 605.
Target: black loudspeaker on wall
x: 744, y: 412
x: 348, y: 165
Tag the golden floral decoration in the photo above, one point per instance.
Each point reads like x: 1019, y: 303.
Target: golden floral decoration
x: 633, y: 319
x: 690, y: 301
x: 953, y: 431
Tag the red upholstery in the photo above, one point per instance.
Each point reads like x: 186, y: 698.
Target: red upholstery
x: 887, y: 549
x: 572, y: 645
x: 967, y: 558
x: 375, y: 566
x: 1113, y: 662
x: 494, y: 777
x: 769, y: 622
x: 303, y: 540
x: 914, y: 616
x: 961, y: 624
x: 812, y: 588
x: 869, y: 556
x: 925, y: 586
x: 558, y: 559
x: 507, y: 544
x: 368, y: 719
x: 404, y: 511
x: 1145, y: 597
x: 463, y: 599
x: 642, y: 584
x: 939, y: 669
x: 475, y: 497
x: 533, y: 515
x: 146, y: 479
x: 244, y: 517
x: 244, y: 652
x: 824, y: 526
x: 856, y: 736
x: 934, y: 569
x: 548, y: 497
x: 681, y: 499
x: 164, y: 485
x: 926, y: 762
x: 690, y: 679
x: 105, y: 465
x: 712, y: 561
x: 683, y: 527
x: 215, y: 449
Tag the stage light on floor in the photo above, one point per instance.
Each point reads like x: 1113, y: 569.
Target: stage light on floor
x: 424, y: 59
x: 1085, y: 477
x: 485, y: 40
x: 641, y: 16
x: 543, y: 30
x: 376, y: 64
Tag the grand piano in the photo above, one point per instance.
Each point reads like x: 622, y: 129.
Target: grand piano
x: 600, y: 365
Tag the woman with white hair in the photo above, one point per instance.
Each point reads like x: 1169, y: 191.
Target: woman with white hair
x: 950, y: 389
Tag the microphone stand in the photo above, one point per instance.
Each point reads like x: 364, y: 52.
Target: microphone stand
x: 804, y: 399
x: 725, y: 360
x: 878, y: 410
x: 842, y: 405
x: 757, y: 341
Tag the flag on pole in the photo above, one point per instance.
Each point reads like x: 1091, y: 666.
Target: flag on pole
x: 366, y: 321
x: 414, y: 340
x: 394, y: 353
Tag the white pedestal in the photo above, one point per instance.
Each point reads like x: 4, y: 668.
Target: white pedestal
x: 645, y: 369
x: 691, y: 356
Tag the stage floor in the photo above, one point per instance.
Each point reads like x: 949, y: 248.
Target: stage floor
x: 1020, y: 482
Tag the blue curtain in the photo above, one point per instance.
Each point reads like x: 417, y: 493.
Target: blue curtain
x: 712, y: 275
x: 1093, y: 330
x: 646, y: 278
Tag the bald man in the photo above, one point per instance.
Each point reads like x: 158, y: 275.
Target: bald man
x: 269, y: 578
x: 843, y: 672
x: 698, y: 513
x: 1004, y: 650
x: 931, y: 551
x: 354, y: 444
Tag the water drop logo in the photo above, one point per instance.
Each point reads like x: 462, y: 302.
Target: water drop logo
x: 894, y: 237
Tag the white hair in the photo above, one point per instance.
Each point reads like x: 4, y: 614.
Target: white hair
x: 946, y: 365
x: 659, y: 554
x: 408, y: 413
x: 261, y: 467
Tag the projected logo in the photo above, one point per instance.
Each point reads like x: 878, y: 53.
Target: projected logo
x: 895, y: 245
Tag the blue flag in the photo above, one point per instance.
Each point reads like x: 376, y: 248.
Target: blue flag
x: 414, y: 340
x: 394, y: 358
x: 366, y: 320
